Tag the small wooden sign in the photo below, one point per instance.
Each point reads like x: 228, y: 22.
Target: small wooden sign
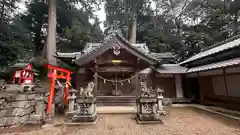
x: 116, y: 61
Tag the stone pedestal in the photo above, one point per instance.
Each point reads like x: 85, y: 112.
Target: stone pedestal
x: 147, y: 110
x: 82, y: 108
x: 83, y: 111
x: 149, y: 107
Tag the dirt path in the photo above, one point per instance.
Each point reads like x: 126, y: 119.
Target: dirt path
x: 181, y: 121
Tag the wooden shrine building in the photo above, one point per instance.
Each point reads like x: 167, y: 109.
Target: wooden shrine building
x: 213, y: 75
x: 117, y: 67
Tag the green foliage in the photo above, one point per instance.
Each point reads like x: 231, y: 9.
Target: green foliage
x: 39, y: 64
x: 73, y: 26
x: 180, y: 26
x: 74, y: 38
x: 14, y: 40
x: 14, y: 44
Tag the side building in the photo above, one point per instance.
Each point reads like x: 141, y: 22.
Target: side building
x: 213, y: 75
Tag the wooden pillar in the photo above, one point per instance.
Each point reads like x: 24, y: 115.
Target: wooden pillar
x: 200, y: 88
x: 225, y: 83
x: 96, y: 79
x: 137, y: 91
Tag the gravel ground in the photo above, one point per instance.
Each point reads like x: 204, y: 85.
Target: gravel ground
x: 181, y: 121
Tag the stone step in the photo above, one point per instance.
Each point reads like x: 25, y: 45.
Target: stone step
x: 20, y: 104
x: 35, y: 119
x: 116, y: 109
x: 116, y: 101
x: 11, y: 121
x: 11, y: 112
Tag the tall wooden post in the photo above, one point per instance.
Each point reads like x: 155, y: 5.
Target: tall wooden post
x: 51, y: 37
x: 225, y: 83
x: 137, y: 91
x: 96, y: 79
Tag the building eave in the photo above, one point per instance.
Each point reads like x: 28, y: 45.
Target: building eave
x: 235, y: 42
x: 83, y: 59
x: 216, y: 65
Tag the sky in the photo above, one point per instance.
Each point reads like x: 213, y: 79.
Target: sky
x: 101, y: 15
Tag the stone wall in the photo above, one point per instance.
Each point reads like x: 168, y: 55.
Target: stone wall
x: 22, y: 104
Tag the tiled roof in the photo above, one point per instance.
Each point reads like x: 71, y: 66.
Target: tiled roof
x: 117, y: 39
x: 165, y: 55
x: 90, y: 47
x: 220, y: 48
x: 142, y: 46
x: 171, y: 69
x: 19, y: 65
x: 216, y: 65
x: 136, y: 49
x: 94, y: 46
x: 166, y: 69
x: 68, y: 55
x: 146, y: 71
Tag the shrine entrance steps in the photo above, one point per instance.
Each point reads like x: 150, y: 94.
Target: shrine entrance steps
x: 116, y: 109
x: 116, y: 101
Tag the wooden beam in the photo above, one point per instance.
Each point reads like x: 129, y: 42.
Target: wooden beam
x: 101, y: 62
x: 114, y: 69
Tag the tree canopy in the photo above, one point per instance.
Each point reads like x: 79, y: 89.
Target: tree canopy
x: 183, y: 27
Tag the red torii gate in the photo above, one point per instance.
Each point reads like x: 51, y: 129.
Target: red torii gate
x: 54, y: 74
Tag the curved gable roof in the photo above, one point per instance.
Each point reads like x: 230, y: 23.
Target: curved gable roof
x: 110, y: 42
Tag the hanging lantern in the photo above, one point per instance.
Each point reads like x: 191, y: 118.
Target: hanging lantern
x: 104, y: 81
x: 129, y: 81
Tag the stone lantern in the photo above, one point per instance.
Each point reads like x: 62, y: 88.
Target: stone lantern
x: 160, y: 102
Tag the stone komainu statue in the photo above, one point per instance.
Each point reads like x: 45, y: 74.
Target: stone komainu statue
x: 144, y: 90
x: 87, y: 92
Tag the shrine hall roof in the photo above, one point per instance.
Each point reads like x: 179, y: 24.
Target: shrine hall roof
x: 220, y: 64
x: 90, y: 54
x: 217, y: 48
x: 92, y: 50
x: 171, y: 69
x: 166, y: 69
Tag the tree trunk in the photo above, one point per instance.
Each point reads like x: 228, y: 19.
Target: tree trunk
x: 51, y: 37
x: 37, y: 41
x: 2, y: 15
x: 134, y: 30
